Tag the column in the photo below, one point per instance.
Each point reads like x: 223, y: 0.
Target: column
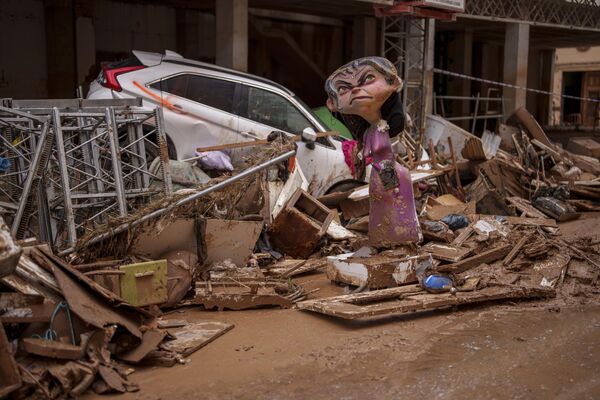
x: 516, y: 50
x: 464, y: 62
x: 61, y: 50
x: 232, y: 34
x: 428, y: 64
x: 364, y: 37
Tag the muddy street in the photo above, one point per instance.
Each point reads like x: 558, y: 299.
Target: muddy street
x: 528, y: 351
x: 506, y: 350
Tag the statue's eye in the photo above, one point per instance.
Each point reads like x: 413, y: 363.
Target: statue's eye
x: 343, y: 89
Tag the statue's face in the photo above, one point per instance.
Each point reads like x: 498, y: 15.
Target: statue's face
x: 361, y: 90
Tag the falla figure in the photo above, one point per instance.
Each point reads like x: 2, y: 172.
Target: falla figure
x: 366, y: 94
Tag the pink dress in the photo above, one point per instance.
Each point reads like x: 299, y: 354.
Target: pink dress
x: 393, y: 217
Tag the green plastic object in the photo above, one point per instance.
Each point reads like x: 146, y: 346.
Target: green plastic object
x: 144, y: 283
x: 332, y: 122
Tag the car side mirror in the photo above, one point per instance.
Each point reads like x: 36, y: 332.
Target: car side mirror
x: 309, y: 136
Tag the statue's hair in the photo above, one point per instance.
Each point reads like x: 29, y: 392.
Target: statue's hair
x: 356, y: 124
x: 380, y: 64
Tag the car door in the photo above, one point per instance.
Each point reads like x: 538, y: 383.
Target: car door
x: 263, y: 111
x: 199, y: 111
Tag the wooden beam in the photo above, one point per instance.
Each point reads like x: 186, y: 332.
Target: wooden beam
x: 475, y: 261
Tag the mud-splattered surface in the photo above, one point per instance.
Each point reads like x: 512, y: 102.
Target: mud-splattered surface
x: 527, y: 350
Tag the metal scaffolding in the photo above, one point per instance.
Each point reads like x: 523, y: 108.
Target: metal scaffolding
x: 572, y: 14
x: 71, y: 167
x: 406, y: 42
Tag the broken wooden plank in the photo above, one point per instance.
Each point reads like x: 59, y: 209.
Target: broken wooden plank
x: 549, y: 222
x: 238, y: 302
x: 410, y: 299
x: 463, y: 236
x: 472, y: 262
x: 446, y: 252
x: 513, y: 253
x: 196, y: 335
x: 28, y: 314
x: 52, y: 349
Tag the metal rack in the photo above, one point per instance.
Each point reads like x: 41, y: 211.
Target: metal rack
x: 76, y: 164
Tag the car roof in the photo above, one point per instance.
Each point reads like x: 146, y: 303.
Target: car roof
x: 152, y: 59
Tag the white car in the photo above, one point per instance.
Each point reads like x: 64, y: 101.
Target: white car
x: 207, y: 105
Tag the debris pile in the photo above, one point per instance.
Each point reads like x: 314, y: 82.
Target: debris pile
x: 82, y: 290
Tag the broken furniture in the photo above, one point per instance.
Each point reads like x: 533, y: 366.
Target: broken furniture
x: 242, y: 294
x: 144, y: 284
x: 300, y: 225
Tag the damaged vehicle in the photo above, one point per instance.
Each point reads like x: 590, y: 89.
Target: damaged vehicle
x: 208, y: 105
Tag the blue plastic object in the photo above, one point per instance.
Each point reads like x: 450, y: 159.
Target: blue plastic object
x: 437, y: 283
x: 4, y: 164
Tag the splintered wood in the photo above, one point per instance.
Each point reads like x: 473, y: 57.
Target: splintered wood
x: 411, y: 298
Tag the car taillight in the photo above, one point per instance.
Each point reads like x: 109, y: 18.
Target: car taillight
x: 108, y: 76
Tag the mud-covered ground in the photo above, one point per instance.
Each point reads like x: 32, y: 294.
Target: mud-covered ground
x: 525, y: 350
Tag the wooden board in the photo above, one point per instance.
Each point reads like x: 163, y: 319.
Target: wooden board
x: 410, y: 299
x: 446, y: 252
x: 195, y: 335
x: 150, y: 341
x: 229, y: 239
x: 549, y: 222
x: 472, y: 262
x: 52, y: 349
x: 167, y: 236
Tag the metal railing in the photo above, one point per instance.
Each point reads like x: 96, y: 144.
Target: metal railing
x: 481, y: 110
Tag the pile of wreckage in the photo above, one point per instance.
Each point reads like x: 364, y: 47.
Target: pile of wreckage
x: 101, y: 240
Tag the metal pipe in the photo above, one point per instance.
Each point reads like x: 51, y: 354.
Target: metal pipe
x: 185, y: 200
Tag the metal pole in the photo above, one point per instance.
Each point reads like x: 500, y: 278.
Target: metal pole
x: 113, y: 141
x: 64, y: 175
x: 31, y: 175
x: 185, y: 200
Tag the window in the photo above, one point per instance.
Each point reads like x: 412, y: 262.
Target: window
x: 176, y: 85
x: 212, y: 92
x: 271, y: 109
